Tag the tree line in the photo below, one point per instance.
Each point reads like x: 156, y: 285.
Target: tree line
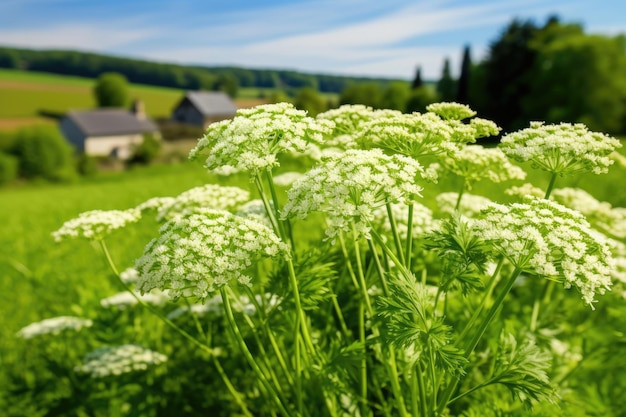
x: 553, y: 72
x: 170, y: 75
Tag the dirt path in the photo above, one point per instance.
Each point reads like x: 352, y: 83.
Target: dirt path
x: 22, y: 85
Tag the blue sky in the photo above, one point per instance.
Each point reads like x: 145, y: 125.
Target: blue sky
x: 387, y: 38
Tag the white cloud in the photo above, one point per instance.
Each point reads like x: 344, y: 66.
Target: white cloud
x: 75, y: 36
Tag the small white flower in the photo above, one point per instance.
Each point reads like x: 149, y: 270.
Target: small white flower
x: 123, y: 300
x: 562, y: 148
x: 209, y: 196
x: 252, y: 140
x: 351, y: 186
x: 53, y: 326
x: 119, y: 360
x: 199, y: 252
x: 545, y: 238
x: 96, y: 224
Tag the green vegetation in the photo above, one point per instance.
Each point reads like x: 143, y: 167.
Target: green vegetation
x: 111, y: 90
x: 169, y: 75
x: 31, y: 94
x: 555, y: 73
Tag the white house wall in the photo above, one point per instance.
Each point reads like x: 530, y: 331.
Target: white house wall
x: 120, y: 146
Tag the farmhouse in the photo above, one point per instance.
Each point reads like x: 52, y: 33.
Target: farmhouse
x: 107, y: 132
x: 202, y: 108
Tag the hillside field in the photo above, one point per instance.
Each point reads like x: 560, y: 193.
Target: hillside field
x: 26, y: 97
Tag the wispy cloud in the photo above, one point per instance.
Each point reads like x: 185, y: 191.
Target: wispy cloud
x: 334, y: 36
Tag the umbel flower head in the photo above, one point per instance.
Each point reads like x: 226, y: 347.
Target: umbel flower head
x: 561, y: 148
x: 351, y: 186
x: 96, y: 224
x: 451, y: 110
x: 610, y: 220
x: 348, y: 119
x: 197, y: 253
x: 470, y: 205
x: 253, y: 139
x: 544, y: 238
x: 475, y: 163
x: 119, y: 360
x: 206, y: 196
x: 53, y: 326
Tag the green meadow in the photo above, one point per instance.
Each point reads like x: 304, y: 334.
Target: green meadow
x: 28, y: 94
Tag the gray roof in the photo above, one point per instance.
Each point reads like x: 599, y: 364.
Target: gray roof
x: 212, y: 103
x: 108, y: 122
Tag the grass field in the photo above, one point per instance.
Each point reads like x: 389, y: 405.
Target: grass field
x: 25, y: 96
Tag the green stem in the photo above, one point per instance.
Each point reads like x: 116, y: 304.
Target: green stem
x: 409, y: 237
x: 419, y: 374
x: 551, y: 185
x: 363, y: 373
x: 548, y: 287
x: 391, y: 364
x: 379, y: 267
x: 269, y: 333
x: 233, y: 391
x: 243, y: 347
x: 482, y: 327
x: 394, y: 232
x: 490, y: 286
x: 149, y: 307
x: 268, y: 207
x: 461, y: 192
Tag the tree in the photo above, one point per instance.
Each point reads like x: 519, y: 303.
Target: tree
x: 227, y: 83
x: 462, y: 95
x: 420, y: 98
x: 576, y: 79
x: 446, y: 87
x: 310, y: 100
x: 505, y: 76
x: 417, y: 81
x: 368, y: 94
x: 395, y: 96
x: 111, y: 90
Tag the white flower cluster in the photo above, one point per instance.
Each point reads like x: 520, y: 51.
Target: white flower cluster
x: 287, y: 178
x: 470, y: 205
x: 562, y: 148
x: 251, y: 141
x: 348, y: 120
x: 119, y: 360
x: 410, y: 134
x: 525, y: 190
x: 197, y: 253
x: 475, y: 163
x: 212, y: 306
x: 351, y: 186
x: 155, y: 203
x: 545, y: 238
x: 451, y: 110
x: 255, y: 209
x: 53, y: 326
x: 123, y: 300
x: 211, y: 196
x: 422, y: 222
x: 129, y: 276
x: 601, y: 214
x: 96, y: 224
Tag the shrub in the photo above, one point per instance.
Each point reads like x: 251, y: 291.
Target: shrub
x: 43, y: 153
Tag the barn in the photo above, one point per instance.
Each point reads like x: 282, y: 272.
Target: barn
x: 201, y: 108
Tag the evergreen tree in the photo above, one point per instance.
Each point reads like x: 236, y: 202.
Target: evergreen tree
x: 417, y: 81
x: 446, y: 87
x: 462, y: 95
